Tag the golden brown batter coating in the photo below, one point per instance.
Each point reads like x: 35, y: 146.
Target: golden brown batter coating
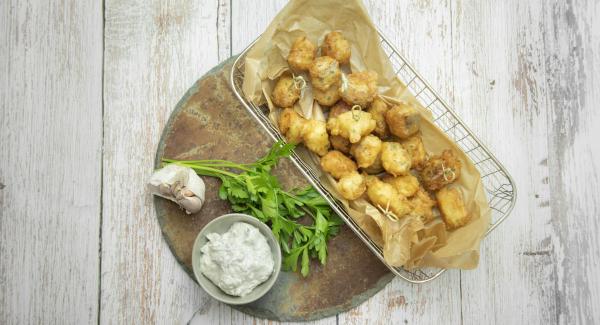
x: 339, y: 108
x: 440, y: 171
x: 377, y: 110
x: 403, y: 120
x: 395, y: 159
x: 325, y: 73
x: 383, y: 195
x: 351, y: 186
x: 326, y: 97
x: 301, y: 54
x: 375, y: 168
x: 452, y: 207
x: 340, y: 143
x: 337, y: 141
x: 366, y: 150
x: 359, y: 88
x: 291, y: 125
x: 315, y: 137
x: 351, y: 125
x: 406, y: 185
x: 285, y: 93
x: 422, y: 205
x: 416, y: 150
x: 337, y: 47
x: 337, y: 164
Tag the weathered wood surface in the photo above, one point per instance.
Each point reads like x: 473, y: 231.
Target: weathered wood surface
x: 504, y: 89
x: 522, y: 74
x: 50, y: 161
x: 154, y: 50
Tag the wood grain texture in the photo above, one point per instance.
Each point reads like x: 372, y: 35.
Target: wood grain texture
x: 572, y: 46
x: 154, y: 51
x: 521, y: 67
x: 224, y: 45
x: 499, y: 85
x: 50, y: 152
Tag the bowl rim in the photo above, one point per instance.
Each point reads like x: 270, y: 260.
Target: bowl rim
x: 265, y: 231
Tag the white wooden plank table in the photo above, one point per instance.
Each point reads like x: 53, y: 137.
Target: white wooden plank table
x: 86, y: 88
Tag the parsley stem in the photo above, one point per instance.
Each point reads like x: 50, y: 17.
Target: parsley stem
x: 292, y: 196
x: 211, y: 171
x: 211, y: 163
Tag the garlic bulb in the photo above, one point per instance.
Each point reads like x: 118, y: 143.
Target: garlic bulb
x: 180, y: 185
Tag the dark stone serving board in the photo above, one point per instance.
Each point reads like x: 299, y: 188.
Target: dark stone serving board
x: 210, y: 123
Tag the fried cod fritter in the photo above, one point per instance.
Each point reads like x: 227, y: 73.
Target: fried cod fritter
x: 402, y: 120
x: 422, y: 204
x: 416, y: 150
x: 440, y: 171
x: 325, y: 73
x: 384, y: 195
x: 395, y: 159
x: 315, y: 137
x: 351, y: 186
x: 339, y: 108
x: 291, y: 125
x: 337, y: 47
x: 340, y: 143
x: 301, y: 54
x: 337, y: 164
x: 337, y: 141
x: 375, y: 168
x: 406, y: 185
x: 351, y: 125
x: 377, y: 110
x: 359, y: 88
x: 452, y: 207
x: 285, y: 93
x: 366, y: 150
x: 326, y: 97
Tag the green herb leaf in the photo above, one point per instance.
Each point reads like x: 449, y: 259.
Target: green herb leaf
x: 290, y: 262
x: 305, y: 262
x: 223, y: 192
x: 322, y: 251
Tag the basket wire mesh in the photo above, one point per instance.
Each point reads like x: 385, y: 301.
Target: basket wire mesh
x: 499, y: 186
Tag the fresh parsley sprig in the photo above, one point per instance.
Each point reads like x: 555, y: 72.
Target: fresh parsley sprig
x: 252, y: 189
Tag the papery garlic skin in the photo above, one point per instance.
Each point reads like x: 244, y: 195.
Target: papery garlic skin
x: 179, y: 184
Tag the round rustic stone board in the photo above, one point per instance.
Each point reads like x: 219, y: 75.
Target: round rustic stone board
x: 210, y: 123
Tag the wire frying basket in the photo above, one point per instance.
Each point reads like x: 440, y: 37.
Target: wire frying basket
x: 500, y: 188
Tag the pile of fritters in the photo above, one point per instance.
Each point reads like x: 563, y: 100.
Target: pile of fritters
x: 371, y: 147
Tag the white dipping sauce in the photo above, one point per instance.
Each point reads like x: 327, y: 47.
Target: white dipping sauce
x: 238, y: 260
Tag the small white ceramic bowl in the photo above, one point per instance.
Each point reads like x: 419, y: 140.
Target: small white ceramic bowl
x: 220, y: 225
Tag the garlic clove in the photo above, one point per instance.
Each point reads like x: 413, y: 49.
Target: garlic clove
x: 195, y: 184
x: 164, y: 189
x: 179, y: 184
x: 191, y: 204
